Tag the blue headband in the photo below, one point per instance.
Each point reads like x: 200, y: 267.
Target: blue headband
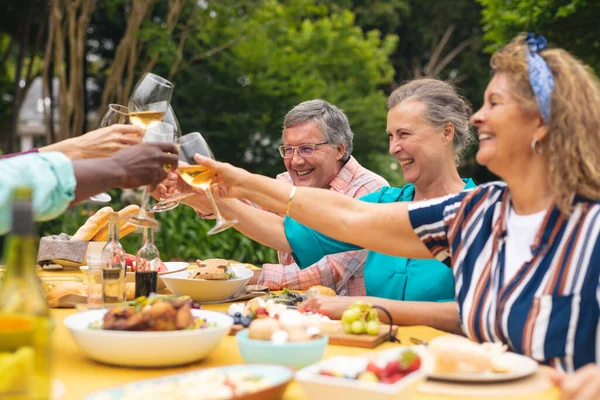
x: 540, y: 76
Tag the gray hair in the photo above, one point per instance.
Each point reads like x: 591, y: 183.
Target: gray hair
x: 333, y: 122
x: 443, y: 104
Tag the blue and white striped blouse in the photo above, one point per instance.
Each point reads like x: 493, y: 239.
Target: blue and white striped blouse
x: 549, y: 310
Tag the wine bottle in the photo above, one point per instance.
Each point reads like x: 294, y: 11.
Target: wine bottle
x: 24, y: 317
x: 147, y: 262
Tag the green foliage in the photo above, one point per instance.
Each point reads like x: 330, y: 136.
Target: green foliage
x: 570, y: 24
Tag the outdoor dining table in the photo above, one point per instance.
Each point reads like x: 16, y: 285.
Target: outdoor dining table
x: 82, y: 376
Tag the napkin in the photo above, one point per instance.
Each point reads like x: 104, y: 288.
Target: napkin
x: 59, y: 247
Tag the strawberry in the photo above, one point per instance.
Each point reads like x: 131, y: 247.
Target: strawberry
x: 396, y: 377
x: 327, y: 373
x: 372, y: 367
x: 390, y: 369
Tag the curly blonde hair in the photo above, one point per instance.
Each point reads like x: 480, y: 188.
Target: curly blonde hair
x: 573, y: 140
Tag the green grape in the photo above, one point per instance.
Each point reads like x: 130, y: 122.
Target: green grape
x: 372, y: 315
x: 350, y: 315
x: 359, y: 327
x: 373, y: 328
x: 347, y: 328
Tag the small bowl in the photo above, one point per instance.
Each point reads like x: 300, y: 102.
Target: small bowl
x: 130, y: 349
x: 290, y: 354
x: 172, y: 267
x: 202, y: 290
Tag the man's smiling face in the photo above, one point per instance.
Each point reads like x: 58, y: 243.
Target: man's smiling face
x: 317, y: 170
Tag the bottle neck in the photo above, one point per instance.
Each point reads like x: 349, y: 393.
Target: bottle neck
x: 19, y: 256
x: 113, y: 229
x: 148, y: 236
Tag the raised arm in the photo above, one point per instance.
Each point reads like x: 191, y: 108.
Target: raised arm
x: 384, y: 228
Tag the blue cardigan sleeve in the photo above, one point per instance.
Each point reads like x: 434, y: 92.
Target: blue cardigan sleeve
x: 51, y: 177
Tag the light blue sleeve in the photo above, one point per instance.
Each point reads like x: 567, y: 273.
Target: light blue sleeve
x: 50, y: 175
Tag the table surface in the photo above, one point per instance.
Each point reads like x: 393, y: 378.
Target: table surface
x: 82, y: 376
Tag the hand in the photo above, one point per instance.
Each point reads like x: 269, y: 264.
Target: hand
x: 98, y: 143
x: 229, y: 178
x: 584, y: 384
x: 143, y: 164
x: 172, y: 185
x: 334, y: 306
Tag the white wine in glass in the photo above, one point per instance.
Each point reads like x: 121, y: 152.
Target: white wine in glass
x: 148, y: 105
x: 199, y: 176
x: 150, y: 100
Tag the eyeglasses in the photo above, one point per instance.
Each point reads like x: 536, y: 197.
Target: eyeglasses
x: 305, y: 150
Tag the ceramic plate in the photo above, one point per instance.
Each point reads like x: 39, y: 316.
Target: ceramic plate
x: 277, y: 378
x: 519, y: 366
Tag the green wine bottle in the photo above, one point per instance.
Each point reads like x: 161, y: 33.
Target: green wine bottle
x: 24, y: 318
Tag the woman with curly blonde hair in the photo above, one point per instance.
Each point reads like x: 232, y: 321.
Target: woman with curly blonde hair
x: 525, y: 252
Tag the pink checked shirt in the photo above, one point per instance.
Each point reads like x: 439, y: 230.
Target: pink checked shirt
x: 341, y: 272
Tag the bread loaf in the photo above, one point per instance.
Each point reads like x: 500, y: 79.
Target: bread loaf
x: 102, y: 235
x: 94, y: 223
x: 127, y: 229
x: 323, y: 290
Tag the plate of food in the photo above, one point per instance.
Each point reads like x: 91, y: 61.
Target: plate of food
x: 380, y: 376
x: 164, y: 268
x: 236, y: 382
x: 212, y: 280
x: 149, y: 332
x: 458, y: 359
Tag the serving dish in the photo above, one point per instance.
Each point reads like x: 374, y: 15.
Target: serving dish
x: 202, y: 290
x: 147, y: 349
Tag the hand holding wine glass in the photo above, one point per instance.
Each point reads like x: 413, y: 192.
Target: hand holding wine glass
x: 200, y: 176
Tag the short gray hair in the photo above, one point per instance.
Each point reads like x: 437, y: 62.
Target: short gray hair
x: 442, y: 104
x: 333, y: 122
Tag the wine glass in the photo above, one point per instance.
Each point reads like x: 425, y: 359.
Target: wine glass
x: 170, y: 202
x: 116, y: 114
x: 158, y: 132
x: 199, y: 176
x: 150, y: 100
x: 147, y: 107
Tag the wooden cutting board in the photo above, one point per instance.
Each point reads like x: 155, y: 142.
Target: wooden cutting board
x: 339, y: 338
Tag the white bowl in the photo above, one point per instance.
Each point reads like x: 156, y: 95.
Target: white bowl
x: 130, y: 349
x: 203, y: 290
x: 172, y: 266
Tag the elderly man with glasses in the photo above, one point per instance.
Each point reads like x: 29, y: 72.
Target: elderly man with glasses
x: 316, y: 151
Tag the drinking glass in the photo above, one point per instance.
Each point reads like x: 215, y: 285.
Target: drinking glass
x: 199, y: 176
x: 170, y: 202
x: 116, y: 114
x: 159, y: 132
x: 147, y: 107
x: 150, y: 100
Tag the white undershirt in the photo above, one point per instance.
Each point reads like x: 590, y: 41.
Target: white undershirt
x: 521, y: 231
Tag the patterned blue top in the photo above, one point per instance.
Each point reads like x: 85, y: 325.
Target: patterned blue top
x: 549, y: 309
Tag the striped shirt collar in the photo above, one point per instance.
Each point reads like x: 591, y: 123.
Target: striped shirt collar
x: 344, y: 178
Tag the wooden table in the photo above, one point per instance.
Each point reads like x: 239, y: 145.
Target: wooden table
x: 82, y: 376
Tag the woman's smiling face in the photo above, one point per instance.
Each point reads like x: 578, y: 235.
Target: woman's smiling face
x: 504, y: 129
x: 420, y: 148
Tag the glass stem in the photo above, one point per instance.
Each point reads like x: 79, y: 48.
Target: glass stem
x: 145, y: 198
x: 213, y: 205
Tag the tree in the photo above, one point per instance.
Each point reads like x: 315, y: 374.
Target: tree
x: 571, y: 24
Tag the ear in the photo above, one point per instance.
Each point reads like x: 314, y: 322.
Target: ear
x: 541, y: 130
x: 448, y: 132
x: 340, y: 152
